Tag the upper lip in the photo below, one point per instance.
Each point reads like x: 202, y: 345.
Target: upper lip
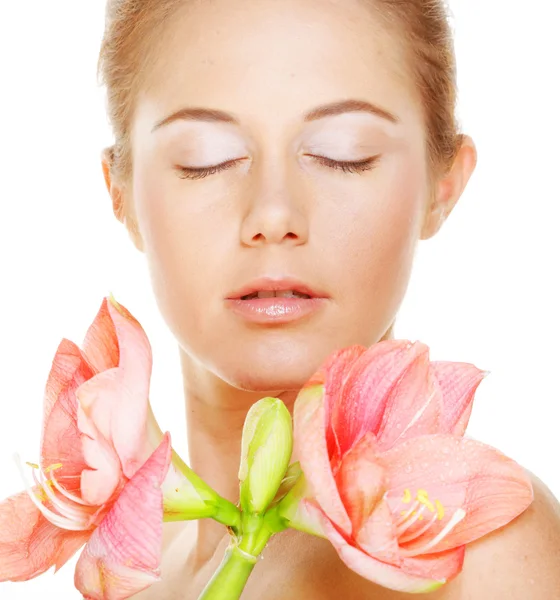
x: 265, y: 284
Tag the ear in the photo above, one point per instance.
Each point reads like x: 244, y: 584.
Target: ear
x: 117, y: 193
x: 449, y: 188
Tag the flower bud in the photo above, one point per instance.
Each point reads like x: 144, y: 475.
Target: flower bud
x: 266, y: 448
x: 292, y: 509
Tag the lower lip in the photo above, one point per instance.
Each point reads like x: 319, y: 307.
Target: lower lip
x: 275, y: 310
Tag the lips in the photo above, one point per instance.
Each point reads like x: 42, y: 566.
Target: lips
x: 275, y: 294
x: 268, y: 287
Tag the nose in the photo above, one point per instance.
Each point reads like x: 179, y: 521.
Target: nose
x: 275, y: 213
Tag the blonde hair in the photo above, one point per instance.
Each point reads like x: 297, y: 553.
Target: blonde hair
x: 134, y: 30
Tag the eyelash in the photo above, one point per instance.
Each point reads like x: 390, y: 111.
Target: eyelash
x: 345, y: 166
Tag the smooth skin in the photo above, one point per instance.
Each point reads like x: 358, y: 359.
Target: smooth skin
x: 280, y: 211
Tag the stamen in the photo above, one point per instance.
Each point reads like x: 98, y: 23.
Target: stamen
x: 415, y: 534
x: 53, y: 467
x: 64, y: 492
x: 422, y: 496
x: 407, y: 496
x: 55, y: 519
x: 456, y: 518
x: 407, y: 514
x: 440, y: 510
x: 66, y: 510
x: 402, y: 528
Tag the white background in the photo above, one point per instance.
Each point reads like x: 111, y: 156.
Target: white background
x: 484, y: 290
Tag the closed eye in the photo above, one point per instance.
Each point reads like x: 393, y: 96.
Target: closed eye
x: 345, y: 166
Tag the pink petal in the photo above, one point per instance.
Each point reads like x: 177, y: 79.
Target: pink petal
x: 461, y: 473
x: 377, y: 536
x: 60, y: 439
x: 310, y: 447
x: 413, y: 405
x: 117, y: 399
x: 103, y: 475
x: 101, y: 344
x: 29, y: 543
x: 439, y: 566
x: 362, y: 400
x: 372, y: 569
x: 332, y: 376
x: 458, y: 383
x: 361, y: 480
x: 123, y: 555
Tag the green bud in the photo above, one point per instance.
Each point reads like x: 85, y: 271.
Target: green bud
x: 266, y: 448
x: 291, y: 510
x: 186, y: 496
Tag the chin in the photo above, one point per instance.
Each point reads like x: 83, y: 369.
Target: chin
x: 268, y: 369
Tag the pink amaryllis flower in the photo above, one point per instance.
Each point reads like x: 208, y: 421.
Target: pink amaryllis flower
x: 104, y: 464
x: 391, y: 480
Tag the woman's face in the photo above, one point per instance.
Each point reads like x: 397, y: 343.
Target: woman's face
x: 279, y: 211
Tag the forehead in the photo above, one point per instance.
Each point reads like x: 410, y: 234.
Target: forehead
x: 278, y: 57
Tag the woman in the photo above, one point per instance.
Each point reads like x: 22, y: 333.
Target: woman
x: 302, y: 148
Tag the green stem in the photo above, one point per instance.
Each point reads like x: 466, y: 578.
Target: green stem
x: 229, y: 581
x: 231, y: 577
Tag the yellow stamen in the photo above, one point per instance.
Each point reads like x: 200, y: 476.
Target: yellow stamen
x: 420, y: 517
x: 32, y: 465
x: 440, y: 510
x: 422, y: 497
x: 407, y: 496
x: 54, y: 467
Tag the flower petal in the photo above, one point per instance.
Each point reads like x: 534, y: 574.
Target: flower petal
x: 361, y: 480
x: 461, y: 474
x: 103, y: 472
x: 101, y: 344
x: 332, y: 376
x: 372, y: 569
x: 458, y: 383
x: 117, y: 399
x: 438, y: 566
x: 123, y: 555
x: 60, y: 438
x: 310, y: 447
x: 413, y: 405
x: 377, y: 536
x: 362, y: 400
x: 29, y: 543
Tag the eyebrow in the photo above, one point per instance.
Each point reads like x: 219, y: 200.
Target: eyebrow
x: 326, y: 110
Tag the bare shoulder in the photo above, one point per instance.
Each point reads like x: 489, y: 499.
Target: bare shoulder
x: 519, y: 561
x: 522, y: 559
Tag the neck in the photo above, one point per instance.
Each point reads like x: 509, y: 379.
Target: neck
x: 215, y: 416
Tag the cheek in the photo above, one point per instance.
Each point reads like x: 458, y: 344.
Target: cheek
x: 181, y: 249
x: 375, y: 242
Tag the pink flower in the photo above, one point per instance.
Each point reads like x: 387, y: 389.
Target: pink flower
x: 395, y: 486
x: 103, y: 465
